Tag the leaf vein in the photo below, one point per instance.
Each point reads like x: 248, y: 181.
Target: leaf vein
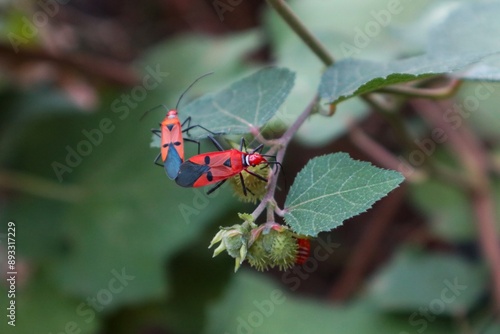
x: 338, y: 193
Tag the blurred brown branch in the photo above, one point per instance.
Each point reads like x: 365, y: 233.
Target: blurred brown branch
x: 95, y: 67
x: 472, y: 154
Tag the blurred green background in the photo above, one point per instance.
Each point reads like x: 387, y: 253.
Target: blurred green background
x: 105, y: 243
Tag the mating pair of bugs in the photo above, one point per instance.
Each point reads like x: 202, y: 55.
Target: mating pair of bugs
x: 207, y: 168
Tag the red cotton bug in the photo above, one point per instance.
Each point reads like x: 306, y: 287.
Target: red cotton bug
x: 303, y: 250
x: 172, y: 142
x: 216, y: 167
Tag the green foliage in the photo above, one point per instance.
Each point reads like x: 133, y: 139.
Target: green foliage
x: 115, y: 212
x: 351, y: 77
x: 471, y: 28
x: 20, y: 113
x: 443, y: 282
x: 254, y: 303
x: 447, y: 208
x: 333, y: 188
x: 246, y: 104
x: 483, y: 119
x: 48, y: 310
x: 452, y: 45
x: 186, y: 57
x: 289, y: 51
x: 493, y: 328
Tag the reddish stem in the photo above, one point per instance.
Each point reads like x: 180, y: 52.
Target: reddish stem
x: 268, y: 199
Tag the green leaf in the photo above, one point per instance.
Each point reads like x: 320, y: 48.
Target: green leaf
x: 186, y: 57
x: 19, y: 108
x: 42, y: 308
x: 255, y: 304
x: 492, y: 329
x: 445, y: 283
x: 351, y: 77
x: 208, y: 278
x: 472, y: 26
x: 246, y: 104
x: 447, y: 209
x: 463, y: 39
x: 482, y: 116
x: 352, y: 31
x: 289, y: 51
x: 343, y: 36
x: 413, y: 31
x: 333, y: 188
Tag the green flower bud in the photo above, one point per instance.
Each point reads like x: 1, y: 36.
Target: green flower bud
x: 234, y: 240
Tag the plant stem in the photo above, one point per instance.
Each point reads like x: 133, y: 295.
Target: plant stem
x: 300, y: 29
x: 268, y: 199
x: 430, y: 93
x: 484, y: 209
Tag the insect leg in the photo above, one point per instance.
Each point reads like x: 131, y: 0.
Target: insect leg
x: 216, y: 143
x: 194, y: 141
x: 256, y: 175
x: 156, y: 132
x: 157, y: 159
x: 216, y: 187
x: 243, y: 185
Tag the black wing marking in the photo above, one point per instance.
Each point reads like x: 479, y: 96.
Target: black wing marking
x: 189, y: 172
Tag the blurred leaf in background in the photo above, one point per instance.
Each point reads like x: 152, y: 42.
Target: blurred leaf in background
x: 105, y: 243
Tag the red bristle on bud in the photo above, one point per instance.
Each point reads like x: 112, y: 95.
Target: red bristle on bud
x: 303, y: 250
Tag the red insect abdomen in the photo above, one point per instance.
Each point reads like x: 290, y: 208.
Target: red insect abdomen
x: 303, y: 250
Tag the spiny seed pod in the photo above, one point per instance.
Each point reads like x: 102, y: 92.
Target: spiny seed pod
x: 273, y: 247
x: 284, y: 251
x: 256, y: 188
x: 266, y: 246
x: 258, y: 256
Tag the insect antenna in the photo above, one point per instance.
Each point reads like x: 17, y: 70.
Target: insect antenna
x: 189, y: 87
x: 148, y: 111
x: 276, y: 163
x: 180, y: 97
